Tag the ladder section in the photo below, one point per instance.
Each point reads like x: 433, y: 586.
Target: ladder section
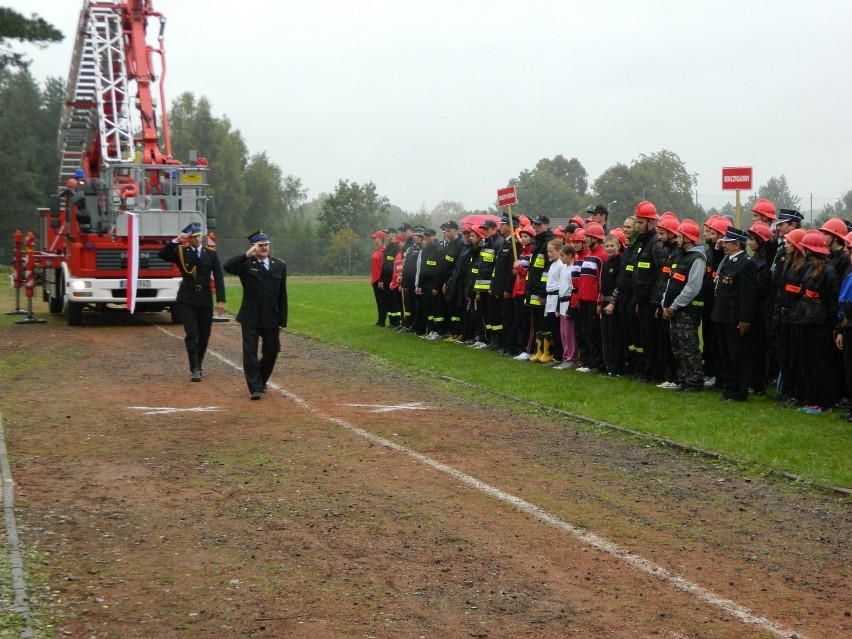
x: 97, y: 98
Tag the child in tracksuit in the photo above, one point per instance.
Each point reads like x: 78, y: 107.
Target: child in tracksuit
x: 613, y: 347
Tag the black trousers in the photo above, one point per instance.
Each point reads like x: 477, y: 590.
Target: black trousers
x: 257, y: 372
x: 197, y: 321
x: 590, y: 332
x: 735, y: 361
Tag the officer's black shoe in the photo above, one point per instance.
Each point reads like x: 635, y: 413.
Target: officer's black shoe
x: 255, y: 395
x: 196, y: 375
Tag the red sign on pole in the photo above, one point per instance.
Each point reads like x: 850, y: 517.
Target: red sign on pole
x: 506, y: 197
x: 736, y: 178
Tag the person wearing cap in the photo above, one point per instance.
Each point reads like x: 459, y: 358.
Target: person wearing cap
x: 196, y: 264
x: 647, y: 262
x: 502, y: 284
x: 430, y: 284
x: 600, y: 215
x: 682, y: 307
x: 408, y: 231
x: 535, y: 294
x: 787, y: 220
x: 454, y: 245
x: 733, y: 314
x: 410, y: 267
x: 456, y: 287
x: 377, y: 260
x: 818, y: 312
x: 263, y: 312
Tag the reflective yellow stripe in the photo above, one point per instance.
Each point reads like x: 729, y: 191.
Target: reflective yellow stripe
x: 629, y: 267
x: 431, y: 263
x: 697, y: 303
x: 539, y: 261
x: 644, y: 265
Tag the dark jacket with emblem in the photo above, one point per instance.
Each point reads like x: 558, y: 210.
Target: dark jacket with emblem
x: 195, y: 274
x: 264, y: 302
x: 735, y: 290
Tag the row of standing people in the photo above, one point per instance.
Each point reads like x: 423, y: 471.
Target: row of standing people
x: 635, y: 300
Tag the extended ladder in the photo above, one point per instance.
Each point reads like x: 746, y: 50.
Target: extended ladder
x: 96, y: 97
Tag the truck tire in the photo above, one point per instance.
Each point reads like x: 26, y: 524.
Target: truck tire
x: 55, y: 297
x: 73, y: 313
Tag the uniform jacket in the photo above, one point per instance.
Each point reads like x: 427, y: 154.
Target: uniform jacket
x: 264, y: 291
x: 735, y: 290
x: 648, y: 261
x: 195, y: 273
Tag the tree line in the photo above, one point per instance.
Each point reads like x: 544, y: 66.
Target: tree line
x: 252, y: 191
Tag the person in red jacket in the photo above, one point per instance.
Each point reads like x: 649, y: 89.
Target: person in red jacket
x: 589, y: 298
x: 376, y: 262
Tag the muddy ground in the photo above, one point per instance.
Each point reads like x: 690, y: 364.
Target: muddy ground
x: 217, y: 516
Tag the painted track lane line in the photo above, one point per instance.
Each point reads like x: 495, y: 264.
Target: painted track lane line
x: 731, y: 608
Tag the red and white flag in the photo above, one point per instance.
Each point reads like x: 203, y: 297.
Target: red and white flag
x: 132, y: 259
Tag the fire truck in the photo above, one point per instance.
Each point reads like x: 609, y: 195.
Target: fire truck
x: 112, y: 165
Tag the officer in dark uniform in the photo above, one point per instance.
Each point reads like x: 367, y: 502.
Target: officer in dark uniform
x: 733, y: 311
x: 263, y: 312
x: 194, y: 298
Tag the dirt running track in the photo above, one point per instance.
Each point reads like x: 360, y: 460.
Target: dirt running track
x: 281, y: 518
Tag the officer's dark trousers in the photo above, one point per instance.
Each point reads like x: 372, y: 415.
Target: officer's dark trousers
x: 591, y: 335
x: 381, y: 306
x: 258, y: 371
x: 648, y: 346
x: 734, y: 361
x: 197, y: 321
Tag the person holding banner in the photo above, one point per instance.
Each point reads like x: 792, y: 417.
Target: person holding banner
x: 195, y: 299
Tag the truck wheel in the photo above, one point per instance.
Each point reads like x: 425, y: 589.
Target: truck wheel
x: 73, y: 313
x: 175, y: 311
x: 55, y: 298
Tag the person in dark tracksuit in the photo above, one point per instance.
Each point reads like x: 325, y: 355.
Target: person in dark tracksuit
x: 195, y: 300
x: 733, y: 314
x: 263, y: 312
x: 502, y: 284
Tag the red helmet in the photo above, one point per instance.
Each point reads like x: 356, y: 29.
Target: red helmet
x: 795, y: 236
x: 619, y: 233
x: 764, y: 208
x: 689, y: 229
x: 578, y: 236
x: 647, y: 210
x: 578, y: 221
x: 529, y: 230
x: 836, y: 227
x: 761, y: 229
x: 849, y: 240
x: 668, y: 222
x: 558, y: 232
x: 593, y: 229
x: 816, y: 242
x: 718, y: 223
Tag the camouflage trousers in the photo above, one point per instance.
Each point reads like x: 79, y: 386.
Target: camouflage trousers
x: 684, y: 334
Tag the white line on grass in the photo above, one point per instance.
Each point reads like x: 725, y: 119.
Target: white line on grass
x: 646, y: 566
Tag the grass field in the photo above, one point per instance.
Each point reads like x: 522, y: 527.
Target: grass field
x: 759, y: 432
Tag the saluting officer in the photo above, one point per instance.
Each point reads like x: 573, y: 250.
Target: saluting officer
x: 733, y: 314
x: 263, y: 312
x: 194, y: 298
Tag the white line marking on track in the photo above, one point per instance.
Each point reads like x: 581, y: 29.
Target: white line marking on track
x: 384, y: 408
x: 735, y: 610
x: 166, y: 410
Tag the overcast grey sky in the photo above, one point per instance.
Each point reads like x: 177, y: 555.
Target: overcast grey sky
x: 447, y: 100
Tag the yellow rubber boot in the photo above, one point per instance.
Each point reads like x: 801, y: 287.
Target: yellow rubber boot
x: 546, y: 355
x: 538, y: 351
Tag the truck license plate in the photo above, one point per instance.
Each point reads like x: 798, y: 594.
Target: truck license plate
x: 139, y: 284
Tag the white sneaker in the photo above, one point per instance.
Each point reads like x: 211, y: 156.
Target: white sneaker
x: 709, y: 382
x: 667, y: 385
x: 522, y: 357
x: 563, y: 366
x: 583, y: 369
x: 480, y: 345
x: 433, y: 335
